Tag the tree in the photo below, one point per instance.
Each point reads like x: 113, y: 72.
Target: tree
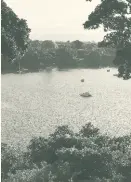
x: 48, y: 44
x: 65, y: 57
x: 37, y: 56
x: 14, y: 34
x: 7, y: 159
x: 77, y: 44
x: 115, y: 17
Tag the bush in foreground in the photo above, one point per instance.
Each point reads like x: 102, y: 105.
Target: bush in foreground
x: 67, y: 156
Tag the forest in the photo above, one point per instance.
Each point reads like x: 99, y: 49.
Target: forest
x: 62, y: 55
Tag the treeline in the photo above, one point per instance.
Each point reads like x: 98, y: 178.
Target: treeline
x: 76, y: 54
x: 66, y: 156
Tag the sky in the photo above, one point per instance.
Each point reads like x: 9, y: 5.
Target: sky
x: 57, y: 20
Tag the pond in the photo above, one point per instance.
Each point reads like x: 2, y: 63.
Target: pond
x: 34, y: 104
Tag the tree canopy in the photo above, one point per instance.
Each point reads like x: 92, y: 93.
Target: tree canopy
x: 67, y: 156
x: 115, y: 17
x: 14, y: 33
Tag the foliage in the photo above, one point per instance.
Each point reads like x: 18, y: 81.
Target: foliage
x: 68, y: 156
x: 77, y: 44
x: 115, y: 17
x: 43, y: 54
x: 8, y: 157
x: 38, y: 55
x: 64, y: 58
x: 14, y: 33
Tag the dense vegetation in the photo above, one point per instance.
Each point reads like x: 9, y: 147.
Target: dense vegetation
x: 68, y: 156
x: 43, y: 54
x: 115, y: 17
x: 14, y: 34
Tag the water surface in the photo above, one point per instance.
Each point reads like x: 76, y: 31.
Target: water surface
x: 34, y: 104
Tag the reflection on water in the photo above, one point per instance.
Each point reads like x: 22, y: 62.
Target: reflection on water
x: 35, y: 104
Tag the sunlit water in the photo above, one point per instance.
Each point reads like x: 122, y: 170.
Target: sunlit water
x: 34, y: 104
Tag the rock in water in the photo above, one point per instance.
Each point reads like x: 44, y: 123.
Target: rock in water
x: 82, y: 80
x: 86, y: 94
